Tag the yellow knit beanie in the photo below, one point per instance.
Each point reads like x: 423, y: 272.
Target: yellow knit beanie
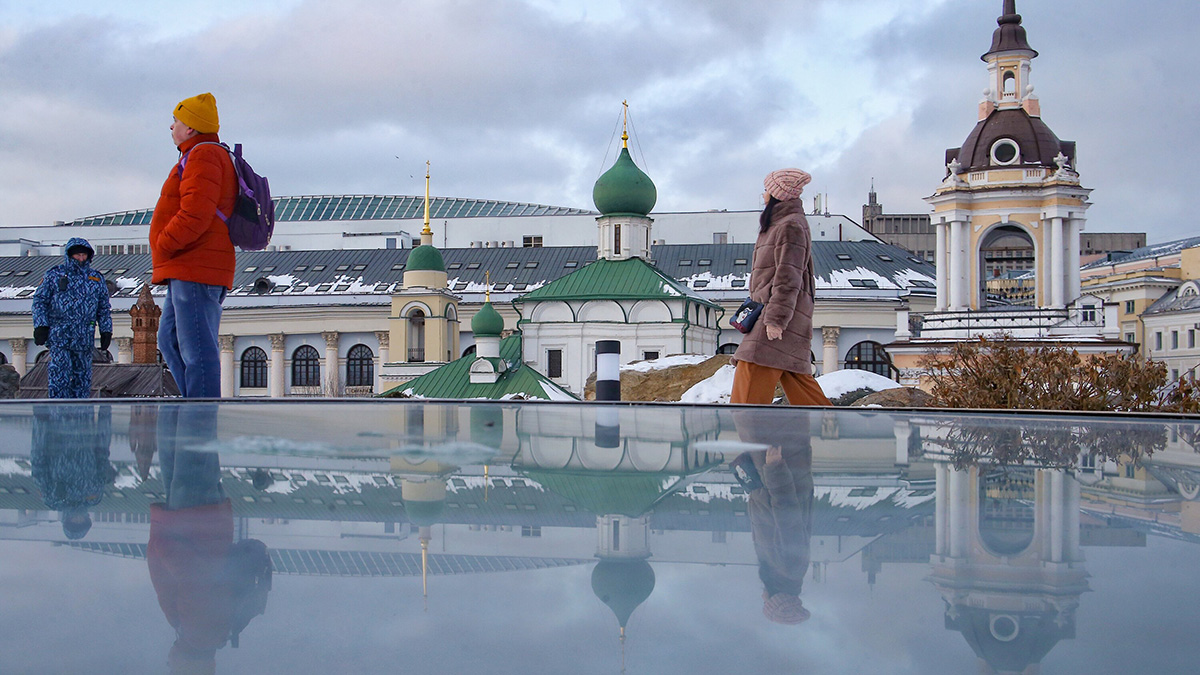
x: 199, y: 112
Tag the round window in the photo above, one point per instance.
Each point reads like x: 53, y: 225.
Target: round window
x: 1004, y: 151
x: 1005, y: 627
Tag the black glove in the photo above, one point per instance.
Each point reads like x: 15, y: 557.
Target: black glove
x: 41, y: 334
x: 105, y: 341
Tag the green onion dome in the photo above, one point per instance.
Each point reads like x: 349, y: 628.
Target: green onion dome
x: 425, y: 257
x: 624, y: 189
x: 487, y: 322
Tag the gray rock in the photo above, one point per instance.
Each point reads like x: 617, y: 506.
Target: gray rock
x: 10, y: 382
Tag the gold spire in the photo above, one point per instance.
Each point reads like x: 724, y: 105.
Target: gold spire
x: 625, y: 125
x: 487, y: 286
x: 425, y: 570
x: 427, y: 234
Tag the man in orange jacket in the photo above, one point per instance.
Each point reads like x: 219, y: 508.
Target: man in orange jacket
x: 191, y: 250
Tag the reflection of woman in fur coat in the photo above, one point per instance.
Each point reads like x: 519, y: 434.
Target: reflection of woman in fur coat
x: 780, y: 510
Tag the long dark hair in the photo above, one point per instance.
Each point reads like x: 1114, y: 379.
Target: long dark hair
x: 764, y: 221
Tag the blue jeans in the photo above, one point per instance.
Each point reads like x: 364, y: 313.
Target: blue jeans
x: 187, y: 337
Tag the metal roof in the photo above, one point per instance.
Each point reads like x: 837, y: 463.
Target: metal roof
x: 689, y: 268
x: 1153, y: 251
x: 307, y: 208
x: 632, y: 278
x: 453, y: 380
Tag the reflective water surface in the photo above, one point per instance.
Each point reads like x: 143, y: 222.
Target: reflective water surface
x: 382, y: 536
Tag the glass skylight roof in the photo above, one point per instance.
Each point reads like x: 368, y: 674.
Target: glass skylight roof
x: 366, y: 207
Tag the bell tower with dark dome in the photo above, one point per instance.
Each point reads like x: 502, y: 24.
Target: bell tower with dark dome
x: 1012, y: 186
x: 1012, y: 176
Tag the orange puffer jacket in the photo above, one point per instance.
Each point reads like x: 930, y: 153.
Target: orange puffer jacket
x: 188, y: 241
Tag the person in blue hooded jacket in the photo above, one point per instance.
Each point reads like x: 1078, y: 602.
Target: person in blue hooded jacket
x: 70, y: 303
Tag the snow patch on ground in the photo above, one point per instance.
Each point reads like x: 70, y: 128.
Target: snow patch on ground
x: 666, y: 362
x: 713, y: 390
x: 842, y: 382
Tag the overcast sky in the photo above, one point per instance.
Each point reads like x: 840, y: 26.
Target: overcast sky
x: 521, y: 99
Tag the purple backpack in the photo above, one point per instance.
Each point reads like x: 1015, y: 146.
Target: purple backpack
x: 253, y: 219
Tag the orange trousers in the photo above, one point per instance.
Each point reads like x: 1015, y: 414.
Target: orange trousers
x: 753, y: 383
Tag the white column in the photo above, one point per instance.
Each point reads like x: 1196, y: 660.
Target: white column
x: 332, y: 372
x: 1072, y: 522
x: 277, y: 381
x: 124, y: 350
x: 1074, y: 285
x: 957, y: 282
x: 385, y: 339
x: 1056, y: 262
x: 829, y: 359
x: 1057, y: 514
x: 940, y: 507
x: 942, y: 260
x: 959, y: 512
x: 226, y: 344
x: 902, y: 430
x: 20, y: 352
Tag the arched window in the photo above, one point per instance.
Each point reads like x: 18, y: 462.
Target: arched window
x: 254, y: 369
x: 3, y: 359
x: 727, y: 348
x: 870, y: 356
x: 416, y: 336
x: 469, y: 350
x: 306, y: 367
x: 1010, y: 83
x: 360, y: 367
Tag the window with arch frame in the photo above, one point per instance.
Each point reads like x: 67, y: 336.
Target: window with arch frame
x: 306, y: 367
x: 360, y: 367
x: 254, y: 369
x: 870, y: 356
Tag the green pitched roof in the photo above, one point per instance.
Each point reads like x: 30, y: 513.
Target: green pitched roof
x: 629, y: 279
x: 606, y: 493
x: 453, y: 380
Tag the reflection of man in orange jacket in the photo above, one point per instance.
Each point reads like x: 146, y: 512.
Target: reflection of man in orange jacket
x: 190, y: 539
x: 780, y: 510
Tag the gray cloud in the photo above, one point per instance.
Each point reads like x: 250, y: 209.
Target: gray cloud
x: 513, y: 101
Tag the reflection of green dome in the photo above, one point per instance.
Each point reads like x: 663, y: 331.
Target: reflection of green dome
x: 624, y: 189
x: 622, y: 585
x: 425, y: 257
x: 487, y: 322
x: 425, y: 514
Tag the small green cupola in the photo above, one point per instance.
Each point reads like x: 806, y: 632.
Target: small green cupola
x: 487, y: 322
x: 624, y: 188
x: 425, y: 258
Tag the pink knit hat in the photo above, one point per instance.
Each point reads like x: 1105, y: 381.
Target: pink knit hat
x: 786, y: 184
x: 784, y: 608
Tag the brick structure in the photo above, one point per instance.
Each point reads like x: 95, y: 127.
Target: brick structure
x: 143, y: 317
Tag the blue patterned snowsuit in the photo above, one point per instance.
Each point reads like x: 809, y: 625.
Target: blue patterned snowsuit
x: 72, y: 300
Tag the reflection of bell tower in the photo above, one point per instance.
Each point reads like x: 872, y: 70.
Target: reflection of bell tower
x: 143, y: 317
x: 1007, y: 561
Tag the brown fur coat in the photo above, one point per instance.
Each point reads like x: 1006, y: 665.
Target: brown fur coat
x: 782, y: 279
